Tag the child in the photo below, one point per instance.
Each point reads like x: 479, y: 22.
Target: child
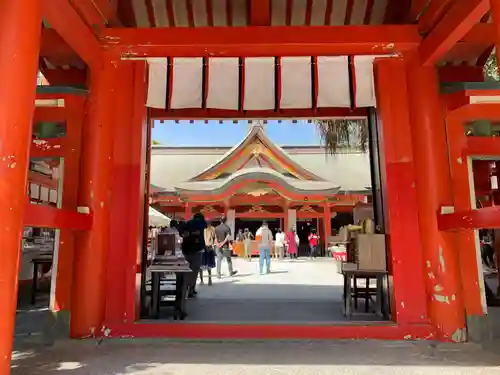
x: 313, y: 243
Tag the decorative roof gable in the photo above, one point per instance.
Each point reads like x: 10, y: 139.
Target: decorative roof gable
x: 256, y: 151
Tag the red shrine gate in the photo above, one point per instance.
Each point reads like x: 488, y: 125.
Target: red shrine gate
x: 437, y: 291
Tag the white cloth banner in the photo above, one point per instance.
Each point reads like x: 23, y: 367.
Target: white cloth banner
x: 296, y: 82
x: 187, y: 83
x: 231, y: 222
x: 334, y: 89
x: 223, y: 83
x: 157, y: 83
x: 365, y: 83
x: 292, y: 219
x: 259, y: 89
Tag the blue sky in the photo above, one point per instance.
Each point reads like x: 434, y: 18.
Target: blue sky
x: 228, y: 133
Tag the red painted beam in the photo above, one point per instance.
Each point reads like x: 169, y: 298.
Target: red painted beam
x: 432, y: 14
x: 285, y: 332
x: 61, y: 16
x: 260, y: 13
x: 56, y: 50
x: 37, y: 215
x: 482, y: 146
x: 47, y: 148
x: 65, y: 77
x: 488, y: 217
x: 193, y: 114
x: 261, y: 41
x: 454, y: 26
x: 461, y: 73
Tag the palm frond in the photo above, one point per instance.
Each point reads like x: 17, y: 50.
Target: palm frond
x: 342, y: 133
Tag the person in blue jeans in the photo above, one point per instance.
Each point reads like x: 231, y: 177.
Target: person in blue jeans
x: 265, y: 238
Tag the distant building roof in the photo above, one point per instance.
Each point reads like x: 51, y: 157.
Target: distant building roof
x: 303, y: 168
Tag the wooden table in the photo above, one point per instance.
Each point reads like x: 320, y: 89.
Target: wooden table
x: 37, y: 262
x: 351, y: 290
x: 157, y: 270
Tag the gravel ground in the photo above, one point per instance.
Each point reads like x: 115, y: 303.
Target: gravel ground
x: 162, y: 357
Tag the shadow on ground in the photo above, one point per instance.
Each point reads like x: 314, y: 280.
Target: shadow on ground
x: 251, y: 357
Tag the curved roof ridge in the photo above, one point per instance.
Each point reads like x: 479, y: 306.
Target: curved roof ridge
x: 300, y: 186
x: 258, y: 131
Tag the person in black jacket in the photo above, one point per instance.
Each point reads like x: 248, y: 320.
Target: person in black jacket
x: 193, y: 244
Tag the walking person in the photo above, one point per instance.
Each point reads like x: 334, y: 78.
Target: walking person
x: 313, y: 243
x: 208, y: 256
x: 222, y: 248
x: 279, y: 244
x: 292, y: 240
x: 193, y: 243
x: 265, y: 242
x: 247, y: 243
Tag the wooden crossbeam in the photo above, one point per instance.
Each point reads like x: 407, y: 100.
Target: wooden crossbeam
x: 261, y: 41
x: 62, y: 17
x: 260, y: 13
x: 457, y: 22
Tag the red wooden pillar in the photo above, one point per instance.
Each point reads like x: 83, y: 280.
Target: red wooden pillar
x: 327, y: 224
x: 465, y: 248
x: 495, y: 15
x: 433, y: 187
x: 91, y: 250
x: 398, y: 177
x: 19, y: 45
x: 286, y: 223
x: 127, y: 194
x: 75, y: 113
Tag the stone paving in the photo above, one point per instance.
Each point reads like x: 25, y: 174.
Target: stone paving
x: 295, y: 291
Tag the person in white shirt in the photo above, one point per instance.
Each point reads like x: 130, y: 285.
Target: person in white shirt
x: 265, y: 238
x: 279, y: 244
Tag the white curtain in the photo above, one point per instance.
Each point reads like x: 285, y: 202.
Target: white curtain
x: 157, y: 83
x: 187, y: 83
x: 259, y: 88
x: 333, y: 82
x: 223, y: 83
x: 296, y: 82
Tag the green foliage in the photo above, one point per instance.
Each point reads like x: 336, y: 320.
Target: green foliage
x: 155, y: 143
x: 491, y: 68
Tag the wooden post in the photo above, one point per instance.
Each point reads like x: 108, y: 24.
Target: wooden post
x: 433, y: 188
x: 20, y: 26
x: 398, y: 176
x: 91, y: 250
x: 286, y: 224
x: 127, y: 194
x: 71, y: 177
x: 327, y: 225
x: 495, y: 16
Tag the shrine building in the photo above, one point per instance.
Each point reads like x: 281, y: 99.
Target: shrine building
x: 257, y: 180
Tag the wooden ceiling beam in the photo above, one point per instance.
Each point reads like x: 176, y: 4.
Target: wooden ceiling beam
x: 454, y: 26
x: 98, y: 14
x: 65, y: 77
x: 260, y: 13
x: 64, y: 18
x: 261, y: 41
x: 432, y: 13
